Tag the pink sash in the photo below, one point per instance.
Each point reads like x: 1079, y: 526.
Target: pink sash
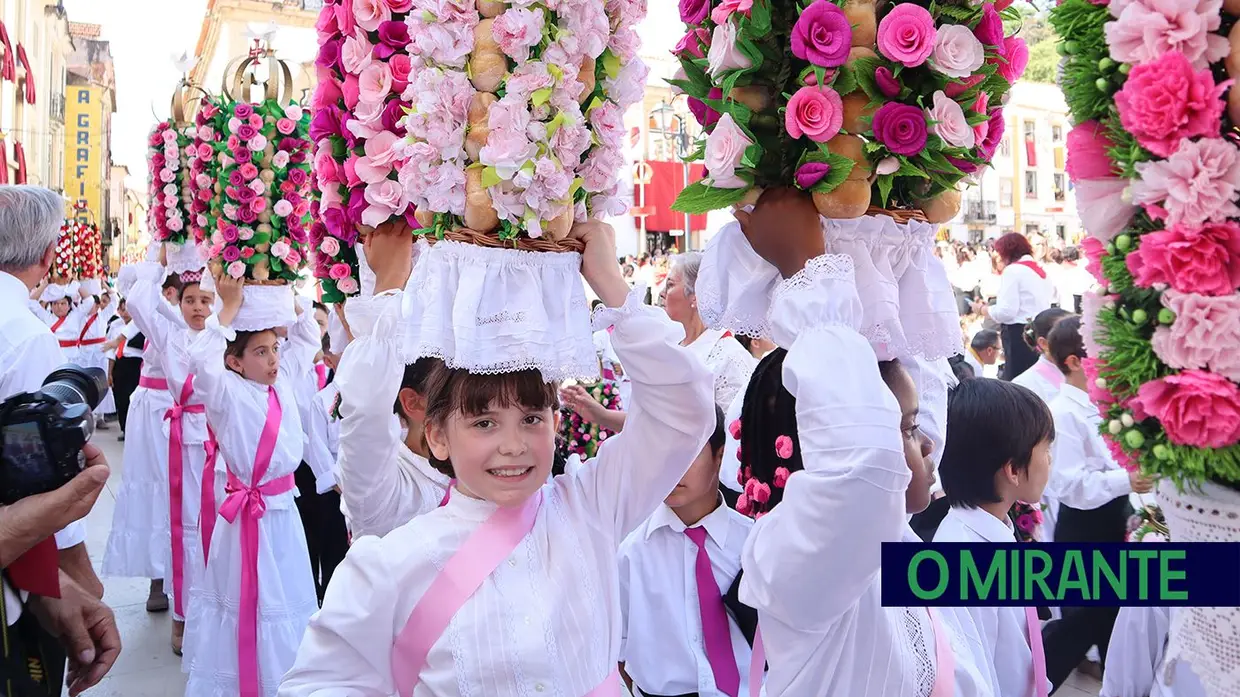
x: 248, y: 503
x: 152, y: 383
x: 1034, y: 627
x: 176, y: 472
x: 206, y: 497
x: 1048, y: 371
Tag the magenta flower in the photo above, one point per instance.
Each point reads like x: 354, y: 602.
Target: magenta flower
x: 705, y: 115
x: 989, y: 30
x: 694, y: 11
x: 887, y: 83
x: 231, y: 254
x: 822, y: 35
x: 906, y: 35
x: 900, y: 127
x: 809, y: 174
x: 243, y: 110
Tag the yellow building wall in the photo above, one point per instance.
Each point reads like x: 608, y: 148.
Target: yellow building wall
x: 84, y: 152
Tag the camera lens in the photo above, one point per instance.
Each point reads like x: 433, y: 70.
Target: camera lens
x: 71, y: 384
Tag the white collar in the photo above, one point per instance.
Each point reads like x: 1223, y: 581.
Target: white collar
x: 1077, y: 396
x: 417, y: 462
x: 705, y: 343
x: 715, y: 522
x: 987, y: 526
x: 13, y: 289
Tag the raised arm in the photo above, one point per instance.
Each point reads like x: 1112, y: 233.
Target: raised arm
x: 144, y: 301
x: 206, y: 355
x: 673, y: 403
x: 297, y: 359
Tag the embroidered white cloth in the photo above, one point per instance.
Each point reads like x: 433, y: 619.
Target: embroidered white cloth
x: 499, y: 310
x: 262, y: 307
x: 728, y: 361
x: 815, y: 582
x: 185, y: 257
x: 548, y: 619
x: 1137, y: 663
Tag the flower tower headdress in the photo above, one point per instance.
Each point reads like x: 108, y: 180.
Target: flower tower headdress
x: 172, y: 156
x: 880, y: 110
x: 500, y: 125
x: 1154, y: 158
x: 259, y: 179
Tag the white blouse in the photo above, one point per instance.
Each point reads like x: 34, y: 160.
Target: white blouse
x: 1004, y: 630
x: 317, y: 457
x: 1034, y: 378
x: 547, y: 620
x: 383, y: 483
x: 812, y: 565
x: 662, y: 646
x: 1084, y: 476
x: 730, y: 363
x: 1022, y: 294
x: 1136, y: 658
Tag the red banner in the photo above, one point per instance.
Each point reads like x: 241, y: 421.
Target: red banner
x: 661, y: 192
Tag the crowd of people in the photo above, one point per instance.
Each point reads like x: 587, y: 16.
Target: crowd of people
x: 323, y: 519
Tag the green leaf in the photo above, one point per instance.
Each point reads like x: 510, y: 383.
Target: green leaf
x: 760, y: 18
x: 490, y: 177
x: 863, y: 72
x: 845, y: 80
x: 698, y: 197
x: 540, y: 97
x: 884, y: 188
x: 752, y: 155
x: 611, y: 64
x: 908, y: 169
x: 841, y: 167
x: 260, y: 238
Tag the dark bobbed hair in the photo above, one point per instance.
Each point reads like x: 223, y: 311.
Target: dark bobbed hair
x: 1041, y: 326
x: 989, y: 423
x: 719, y: 436
x: 173, y: 280
x: 1065, y: 340
x: 452, y: 390
x: 770, y: 411
x: 414, y: 378
x: 1012, y: 246
x: 984, y: 339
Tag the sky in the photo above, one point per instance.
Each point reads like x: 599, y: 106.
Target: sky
x: 146, y: 36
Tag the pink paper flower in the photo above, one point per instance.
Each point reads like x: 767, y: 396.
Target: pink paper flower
x: 1196, y: 408
x: 346, y: 285
x: 338, y: 271
x: 783, y: 447
x: 734, y: 429
x: 1205, y: 333
x: 724, y: 148
x: 810, y: 173
x: 517, y: 30
x: 781, y: 477
x: 693, y: 43
x: 283, y: 208
x: 724, y: 55
x: 1165, y: 101
x: 386, y: 199
x: 1198, y: 183
x: 816, y: 113
x: 1094, y: 251
x: 822, y: 35
x: 949, y: 121
x: 375, y: 83
x: 1204, y: 260
x: 957, y: 52
x: 907, y: 35
x: 1015, y: 59
x: 900, y: 127
x: 1087, y: 152
x: 236, y: 269
x: 1144, y: 30
x: 369, y: 14
x: 694, y: 11
x: 989, y: 29
x: 886, y: 81
x: 357, y: 53
x: 724, y: 10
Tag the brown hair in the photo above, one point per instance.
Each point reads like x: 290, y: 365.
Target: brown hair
x: 1064, y: 341
x: 452, y: 390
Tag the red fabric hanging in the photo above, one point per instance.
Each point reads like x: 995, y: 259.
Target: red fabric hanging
x: 4, y: 162
x: 8, y: 70
x: 667, y: 181
x: 1031, y: 153
x: 21, y: 57
x: 19, y: 158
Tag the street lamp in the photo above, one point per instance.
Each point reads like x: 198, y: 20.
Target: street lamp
x: 676, y: 136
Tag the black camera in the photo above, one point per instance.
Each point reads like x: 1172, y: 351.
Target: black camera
x: 42, y: 433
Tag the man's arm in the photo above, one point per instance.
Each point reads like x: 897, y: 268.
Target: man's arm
x: 75, y: 562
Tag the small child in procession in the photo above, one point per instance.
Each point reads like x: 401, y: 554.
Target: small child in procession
x: 998, y: 452
x: 257, y: 594
x: 541, y: 611
x: 675, y: 571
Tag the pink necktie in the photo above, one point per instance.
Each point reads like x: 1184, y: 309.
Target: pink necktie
x: 944, y: 660
x: 1034, y: 626
x: 321, y: 371
x: 714, y: 620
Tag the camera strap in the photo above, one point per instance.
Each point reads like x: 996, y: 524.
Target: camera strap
x: 25, y: 668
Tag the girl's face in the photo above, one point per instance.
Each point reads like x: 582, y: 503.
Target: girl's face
x: 320, y: 316
x: 60, y: 308
x: 917, y: 446
x: 700, y: 482
x: 260, y: 361
x: 679, y: 306
x: 196, y: 306
x: 1030, y: 484
x: 123, y: 311
x: 503, y: 455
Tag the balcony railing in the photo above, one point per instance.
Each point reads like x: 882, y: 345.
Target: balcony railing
x: 58, y: 108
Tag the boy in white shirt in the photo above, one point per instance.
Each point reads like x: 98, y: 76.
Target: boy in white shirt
x: 998, y: 452
x: 678, y: 638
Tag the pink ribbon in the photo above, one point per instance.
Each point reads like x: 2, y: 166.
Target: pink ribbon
x: 447, y: 494
x: 152, y: 383
x: 206, y: 500
x: 321, y: 371
x: 944, y: 659
x: 1034, y: 626
x: 176, y: 472
x: 249, y: 503
x: 1048, y: 370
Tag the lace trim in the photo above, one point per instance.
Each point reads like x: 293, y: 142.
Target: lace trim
x: 571, y: 370
x: 498, y: 256
x: 184, y: 257
x: 634, y: 302
x: 834, y: 266
x: 924, y: 668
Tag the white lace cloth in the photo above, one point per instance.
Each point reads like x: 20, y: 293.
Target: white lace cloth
x: 499, y: 310
x: 262, y: 307
x: 727, y: 360
x: 1208, y: 638
x: 908, y: 305
x: 185, y: 257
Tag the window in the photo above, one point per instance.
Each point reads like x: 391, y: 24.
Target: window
x: 1032, y: 230
x: 1057, y: 133
x: 1031, y: 130
x: 1031, y: 185
x: 1059, y: 187
x: 1062, y: 231
x: 1005, y: 192
x: 1005, y: 147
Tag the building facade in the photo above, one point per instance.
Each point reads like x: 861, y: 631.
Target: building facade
x: 35, y: 45
x: 90, y: 102
x: 1026, y: 189
x: 225, y: 35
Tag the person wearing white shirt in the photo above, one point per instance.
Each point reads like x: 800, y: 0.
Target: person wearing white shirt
x: 812, y: 565
x: 1137, y: 658
x: 1043, y: 377
x: 675, y: 571
x: 998, y: 452
x: 1024, y: 291
x: 1092, y: 494
x: 983, y: 352
x: 547, y: 618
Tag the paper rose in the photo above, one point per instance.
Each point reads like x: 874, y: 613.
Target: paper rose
x: 1205, y: 334
x: 1195, y: 408
x: 1190, y: 259
x: 724, y: 148
x: 816, y: 113
x: 1165, y: 101
x: 1198, y: 183
x: 907, y: 35
x: 900, y: 127
x: 1016, y: 55
x: 723, y: 54
x: 811, y: 173
x: 957, y: 52
x: 822, y: 35
x: 694, y: 11
x: 949, y: 122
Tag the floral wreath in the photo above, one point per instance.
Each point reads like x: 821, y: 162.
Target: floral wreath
x: 1156, y: 166
x: 168, y: 150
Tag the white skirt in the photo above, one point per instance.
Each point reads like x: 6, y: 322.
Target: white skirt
x: 139, y: 545
x: 193, y: 460
x: 286, y: 600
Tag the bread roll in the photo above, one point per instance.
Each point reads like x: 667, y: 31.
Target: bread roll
x: 425, y: 217
x: 943, y: 207
x: 478, y: 131
x: 1232, y: 60
x: 479, y: 212
x: 857, y: 112
x: 756, y: 97
x: 490, y: 8
x: 558, y: 229
x: 853, y: 148
x: 484, y: 37
x: 488, y: 70
x: 586, y: 77
x: 861, y: 15
x: 850, y: 200
x: 861, y: 52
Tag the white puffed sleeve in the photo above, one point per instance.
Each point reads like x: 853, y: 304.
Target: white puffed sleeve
x: 1084, y: 476
x: 206, y: 362
x: 848, y: 424
x: 734, y: 284
x: 144, y: 300
x: 1136, y: 650
x: 669, y: 420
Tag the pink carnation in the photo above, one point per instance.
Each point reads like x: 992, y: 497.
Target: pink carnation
x: 517, y: 30
x: 783, y: 447
x: 1197, y: 183
x: 906, y: 35
x: 1087, y: 152
x: 1144, y: 30
x: 1165, y: 101
x: 1094, y: 251
x: 1204, y: 260
x: 1195, y: 408
x: 1205, y: 334
x: 369, y: 14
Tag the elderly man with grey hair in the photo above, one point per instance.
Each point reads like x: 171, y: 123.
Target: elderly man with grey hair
x: 30, y: 220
